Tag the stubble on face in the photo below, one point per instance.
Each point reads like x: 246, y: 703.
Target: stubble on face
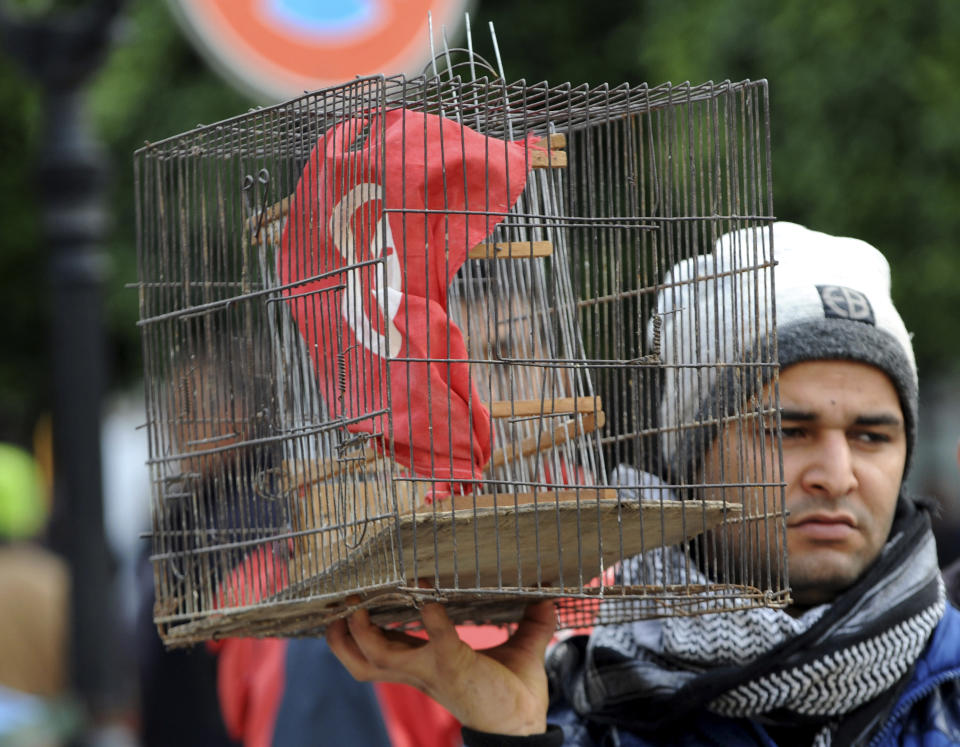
x: 844, y: 450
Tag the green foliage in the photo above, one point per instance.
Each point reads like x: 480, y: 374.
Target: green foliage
x: 864, y: 110
x: 580, y: 42
x: 864, y: 101
x: 152, y: 87
x: 39, y: 8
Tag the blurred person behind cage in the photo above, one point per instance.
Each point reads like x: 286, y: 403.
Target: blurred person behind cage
x: 34, y: 625
x: 201, y: 405
x: 268, y: 691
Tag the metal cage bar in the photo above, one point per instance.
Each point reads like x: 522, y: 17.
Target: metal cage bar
x: 410, y: 339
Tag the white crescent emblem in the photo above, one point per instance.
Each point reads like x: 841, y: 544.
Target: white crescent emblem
x: 387, y: 299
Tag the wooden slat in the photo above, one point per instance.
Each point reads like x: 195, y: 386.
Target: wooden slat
x: 546, y: 159
x: 301, y: 473
x: 511, y: 250
x: 330, y: 519
x: 520, y: 408
x: 543, y: 441
x: 554, y: 140
x: 561, y: 543
x: 507, y: 501
x: 563, y: 531
x: 324, y: 505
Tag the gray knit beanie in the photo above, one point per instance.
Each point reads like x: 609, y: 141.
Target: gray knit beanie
x: 832, y: 302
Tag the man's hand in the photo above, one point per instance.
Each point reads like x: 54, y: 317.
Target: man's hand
x: 501, y: 690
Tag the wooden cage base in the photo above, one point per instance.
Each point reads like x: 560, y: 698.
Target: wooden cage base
x: 554, y: 539
x: 396, y: 605
x: 549, y: 549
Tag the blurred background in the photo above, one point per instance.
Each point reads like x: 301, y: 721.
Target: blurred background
x: 865, y: 109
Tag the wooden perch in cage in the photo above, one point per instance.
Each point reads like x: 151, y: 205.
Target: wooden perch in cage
x: 554, y: 154
x: 515, y: 408
x: 546, y: 440
x: 511, y: 250
x: 309, y: 473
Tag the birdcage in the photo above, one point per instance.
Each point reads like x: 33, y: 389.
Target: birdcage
x: 404, y: 340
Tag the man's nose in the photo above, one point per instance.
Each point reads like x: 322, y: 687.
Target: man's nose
x: 829, y: 470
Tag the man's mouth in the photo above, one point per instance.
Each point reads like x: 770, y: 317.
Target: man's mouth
x: 824, y: 526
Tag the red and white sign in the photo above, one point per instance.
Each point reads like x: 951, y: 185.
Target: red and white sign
x: 278, y: 49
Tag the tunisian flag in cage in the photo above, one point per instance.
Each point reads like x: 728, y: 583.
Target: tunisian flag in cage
x: 382, y: 218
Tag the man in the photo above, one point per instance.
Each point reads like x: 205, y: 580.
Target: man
x: 868, y: 653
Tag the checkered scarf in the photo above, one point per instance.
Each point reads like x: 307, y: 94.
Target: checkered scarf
x: 828, y: 669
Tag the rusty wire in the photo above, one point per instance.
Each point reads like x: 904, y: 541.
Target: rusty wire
x: 280, y: 487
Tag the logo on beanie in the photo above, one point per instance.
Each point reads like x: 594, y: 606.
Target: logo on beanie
x: 846, y: 303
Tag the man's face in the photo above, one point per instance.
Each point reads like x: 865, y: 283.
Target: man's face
x: 844, y: 450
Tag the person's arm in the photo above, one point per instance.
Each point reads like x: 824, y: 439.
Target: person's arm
x: 502, y: 690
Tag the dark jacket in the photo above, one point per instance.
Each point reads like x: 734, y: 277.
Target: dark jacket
x: 951, y: 577
x: 926, y: 713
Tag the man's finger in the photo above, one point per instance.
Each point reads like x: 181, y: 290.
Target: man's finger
x: 345, y: 648
x: 437, y: 624
x: 369, y: 638
x: 536, y: 627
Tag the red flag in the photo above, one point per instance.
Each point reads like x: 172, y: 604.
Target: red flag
x: 408, y: 194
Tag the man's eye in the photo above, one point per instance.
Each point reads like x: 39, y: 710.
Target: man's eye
x: 871, y: 437
x: 790, y: 432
